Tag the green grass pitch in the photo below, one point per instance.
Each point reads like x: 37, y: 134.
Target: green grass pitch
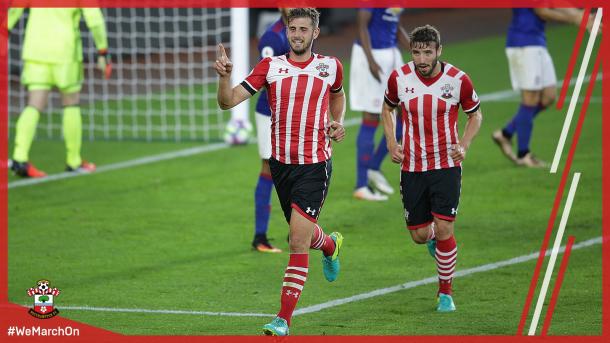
x: 175, y: 235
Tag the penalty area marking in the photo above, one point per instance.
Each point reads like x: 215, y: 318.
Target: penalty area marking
x: 342, y: 301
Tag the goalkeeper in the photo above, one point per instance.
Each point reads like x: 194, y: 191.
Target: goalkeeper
x: 53, y: 54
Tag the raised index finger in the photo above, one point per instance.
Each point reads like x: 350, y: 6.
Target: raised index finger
x: 221, y: 54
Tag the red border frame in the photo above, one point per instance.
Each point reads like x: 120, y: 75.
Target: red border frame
x: 14, y: 315
x: 562, y: 269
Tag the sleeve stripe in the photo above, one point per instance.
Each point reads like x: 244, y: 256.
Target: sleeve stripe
x: 474, y: 109
x: 389, y: 102
x: 248, y: 87
x: 336, y: 90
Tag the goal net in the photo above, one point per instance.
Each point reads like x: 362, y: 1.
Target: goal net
x: 162, y: 87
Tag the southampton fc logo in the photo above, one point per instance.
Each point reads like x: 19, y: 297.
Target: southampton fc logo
x: 447, y: 91
x: 323, y: 69
x: 43, y: 300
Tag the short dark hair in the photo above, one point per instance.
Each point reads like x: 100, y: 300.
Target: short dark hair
x: 310, y: 13
x: 424, y: 35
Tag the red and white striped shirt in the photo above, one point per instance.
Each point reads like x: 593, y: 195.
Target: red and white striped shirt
x: 298, y: 94
x: 430, y: 113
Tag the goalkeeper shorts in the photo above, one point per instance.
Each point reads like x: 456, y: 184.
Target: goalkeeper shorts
x: 68, y: 77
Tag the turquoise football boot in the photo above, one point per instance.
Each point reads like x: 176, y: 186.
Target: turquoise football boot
x: 277, y: 327
x: 445, y: 303
x: 431, y: 247
x: 330, y: 264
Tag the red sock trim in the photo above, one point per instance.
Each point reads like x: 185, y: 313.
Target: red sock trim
x: 317, y: 239
x: 328, y: 248
x: 445, y: 246
x: 290, y: 294
x: 298, y: 260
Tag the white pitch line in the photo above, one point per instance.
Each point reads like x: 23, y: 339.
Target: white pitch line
x: 139, y: 310
x: 489, y: 97
x: 139, y: 161
x: 551, y: 265
x: 576, y: 93
x: 337, y: 302
x: 125, y: 164
x: 434, y: 279
x: 142, y: 310
x: 510, y: 93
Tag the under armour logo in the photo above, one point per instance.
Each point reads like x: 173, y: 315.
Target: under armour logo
x: 410, y: 90
x: 453, y: 211
x: 310, y: 211
x: 294, y: 294
x: 283, y: 70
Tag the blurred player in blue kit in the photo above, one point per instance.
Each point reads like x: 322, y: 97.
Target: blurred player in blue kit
x: 273, y: 42
x: 374, y: 55
x: 533, y: 74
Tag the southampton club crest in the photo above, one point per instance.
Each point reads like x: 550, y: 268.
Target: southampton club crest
x: 447, y: 88
x: 43, y: 300
x: 323, y: 69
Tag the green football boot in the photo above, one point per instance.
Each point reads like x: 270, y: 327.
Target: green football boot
x: 331, y: 265
x: 431, y: 247
x: 277, y: 327
x: 445, y: 303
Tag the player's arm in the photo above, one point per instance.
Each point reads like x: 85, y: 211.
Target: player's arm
x: 388, y: 118
x: 362, y: 20
x: 337, y: 111
x: 471, y: 104
x: 227, y: 97
x: 94, y: 18
x: 403, y: 36
x: 473, y: 124
x: 336, y: 105
x: 563, y: 15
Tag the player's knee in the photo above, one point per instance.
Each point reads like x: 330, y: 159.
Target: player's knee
x: 299, y: 244
x: 419, y: 239
x: 71, y: 99
x: 548, y: 99
x: 38, y: 100
x: 419, y: 236
x: 265, y: 169
x: 38, y: 106
x: 444, y: 229
x: 530, y: 98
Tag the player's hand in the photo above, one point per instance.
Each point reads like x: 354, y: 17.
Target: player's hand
x: 457, y: 152
x: 591, y: 22
x: 375, y: 70
x: 223, y: 64
x: 337, y: 131
x: 397, y: 153
x: 104, y: 65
